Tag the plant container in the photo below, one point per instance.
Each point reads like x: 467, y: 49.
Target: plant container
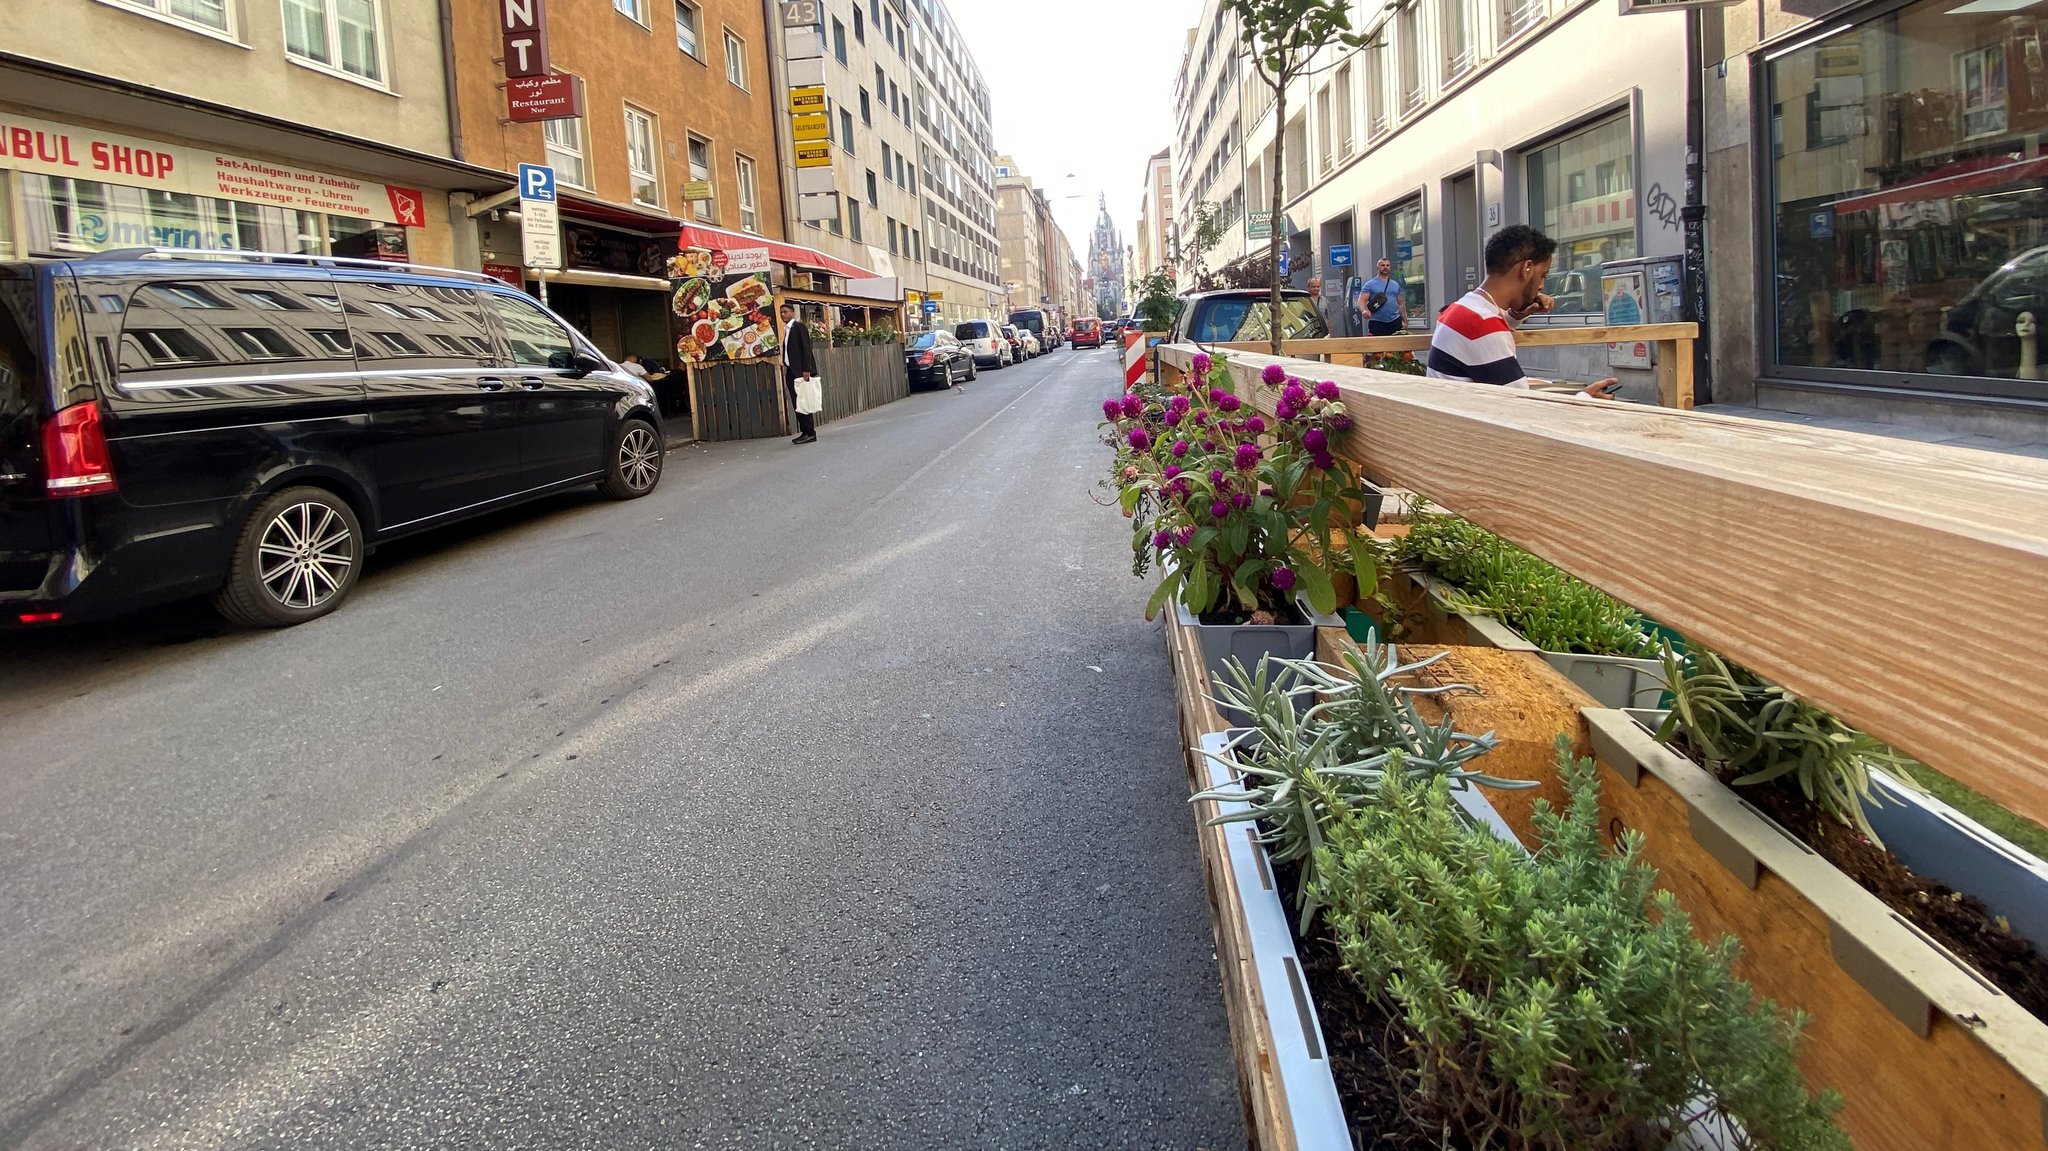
x: 1614, y: 681
x: 1249, y: 643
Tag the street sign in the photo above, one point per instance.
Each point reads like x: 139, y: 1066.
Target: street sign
x: 800, y: 13
x: 533, y: 98
x: 806, y: 126
x: 807, y: 100
x: 695, y: 190
x: 540, y: 222
x: 1404, y: 250
x: 931, y: 307
x: 1340, y: 255
x: 814, y: 155
x: 1283, y: 261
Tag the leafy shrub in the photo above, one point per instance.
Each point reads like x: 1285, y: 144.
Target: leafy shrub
x: 1550, y: 1002
x: 1554, y: 610
x: 1739, y: 725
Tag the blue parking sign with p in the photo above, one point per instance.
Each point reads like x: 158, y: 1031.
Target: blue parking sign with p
x: 537, y: 182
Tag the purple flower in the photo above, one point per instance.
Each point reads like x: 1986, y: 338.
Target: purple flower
x: 1112, y: 409
x: 1201, y: 363
x: 1172, y: 418
x: 1180, y: 448
x: 1315, y: 441
x: 1256, y: 425
x: 1266, y: 492
x: 1202, y: 418
x: 1178, y: 403
x: 1273, y: 374
x: 1208, y: 445
x: 1184, y: 535
x: 1216, y: 395
x: 1133, y: 406
x: 1325, y: 461
x: 1327, y: 390
x: 1140, y: 438
x: 1229, y: 403
x: 1215, y: 475
x: 1282, y: 578
x: 1180, y: 489
x: 1284, y: 410
x: 1219, y: 509
x: 1247, y: 456
x: 1161, y: 538
x: 1339, y: 422
x: 1241, y: 501
x: 1294, y: 394
x: 1171, y: 471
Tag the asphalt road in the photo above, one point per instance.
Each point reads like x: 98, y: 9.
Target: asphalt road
x: 828, y: 797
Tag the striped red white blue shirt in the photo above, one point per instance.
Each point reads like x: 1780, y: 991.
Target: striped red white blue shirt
x: 1474, y: 342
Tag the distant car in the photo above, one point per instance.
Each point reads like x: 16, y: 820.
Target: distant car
x: 985, y: 342
x: 1016, y: 338
x: 1039, y: 323
x: 1087, y: 333
x: 937, y: 360
x: 1033, y: 348
x: 1245, y: 314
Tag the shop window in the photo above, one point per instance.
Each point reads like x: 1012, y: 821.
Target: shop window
x: 735, y: 60
x: 339, y: 35
x: 1399, y: 239
x: 641, y: 161
x: 1909, y: 200
x: 565, y: 150
x: 688, y: 21
x: 1582, y: 194
x: 206, y: 15
x: 706, y: 211
x: 750, y: 212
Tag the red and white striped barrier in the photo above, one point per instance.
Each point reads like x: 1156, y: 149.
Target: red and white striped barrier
x: 1137, y: 355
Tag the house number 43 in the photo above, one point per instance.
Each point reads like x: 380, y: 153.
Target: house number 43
x: 799, y: 13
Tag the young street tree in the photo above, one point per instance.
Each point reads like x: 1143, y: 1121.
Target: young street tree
x: 1283, y: 38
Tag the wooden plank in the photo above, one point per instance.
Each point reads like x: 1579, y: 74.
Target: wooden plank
x: 1894, y: 583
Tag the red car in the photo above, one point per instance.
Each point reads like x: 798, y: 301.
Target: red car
x: 1086, y: 334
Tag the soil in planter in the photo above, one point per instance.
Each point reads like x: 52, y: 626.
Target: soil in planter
x: 1233, y: 616
x: 1957, y: 921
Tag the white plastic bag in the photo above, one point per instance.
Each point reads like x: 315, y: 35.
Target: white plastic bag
x: 810, y: 395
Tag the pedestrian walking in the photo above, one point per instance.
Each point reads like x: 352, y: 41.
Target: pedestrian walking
x: 1475, y: 337
x: 1383, y: 300
x: 798, y: 361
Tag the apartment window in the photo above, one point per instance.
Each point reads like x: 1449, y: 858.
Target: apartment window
x: 881, y: 83
x: 833, y: 223
x: 871, y: 188
x: 1375, y: 89
x: 1457, y: 37
x: 846, y: 130
x: 640, y: 158
x: 853, y: 218
x: 1326, y: 130
x: 900, y: 182
x: 634, y: 10
x: 336, y: 34
x: 750, y: 213
x: 913, y: 179
x: 888, y: 173
x: 1411, y: 57
x: 1518, y: 16
x: 1346, y: 139
x: 687, y: 23
x: 892, y: 236
x: 706, y: 211
x: 1582, y: 194
x: 735, y: 60
x: 860, y: 26
x: 898, y: 103
x: 209, y: 15
x: 916, y: 244
x: 867, y: 115
x: 838, y: 40
x: 565, y: 150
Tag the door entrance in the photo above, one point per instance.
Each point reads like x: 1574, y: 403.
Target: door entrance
x: 1467, y: 247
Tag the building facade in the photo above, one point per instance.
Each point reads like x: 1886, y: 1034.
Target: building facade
x: 1877, y: 198
x: 1153, y: 245
x: 1021, y: 234
x: 307, y: 127
x: 958, y: 242
x: 1207, y: 156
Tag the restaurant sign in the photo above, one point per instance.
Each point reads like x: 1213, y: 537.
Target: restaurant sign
x: 53, y: 149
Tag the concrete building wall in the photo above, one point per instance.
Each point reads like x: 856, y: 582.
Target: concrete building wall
x: 1211, y: 116
x: 962, y: 253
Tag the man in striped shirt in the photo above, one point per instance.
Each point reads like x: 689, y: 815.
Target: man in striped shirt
x: 1475, y: 337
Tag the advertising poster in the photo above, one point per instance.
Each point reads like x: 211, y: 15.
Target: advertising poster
x: 1623, y: 289
x: 720, y: 316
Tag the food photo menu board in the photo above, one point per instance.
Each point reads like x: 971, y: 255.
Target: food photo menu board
x: 720, y: 316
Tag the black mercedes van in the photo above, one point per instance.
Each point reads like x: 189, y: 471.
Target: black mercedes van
x: 249, y: 426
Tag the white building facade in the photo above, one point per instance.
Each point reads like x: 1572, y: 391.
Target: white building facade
x: 1207, y: 157
x: 955, y: 156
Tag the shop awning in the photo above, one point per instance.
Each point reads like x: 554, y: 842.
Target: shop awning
x: 1959, y: 179
x: 782, y: 252
x: 617, y: 216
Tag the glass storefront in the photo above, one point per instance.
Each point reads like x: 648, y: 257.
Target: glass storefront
x: 1582, y: 194
x: 1909, y: 196
x: 1400, y: 240
x: 66, y: 215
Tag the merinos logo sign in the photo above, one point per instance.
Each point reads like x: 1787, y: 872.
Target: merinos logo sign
x: 95, y: 230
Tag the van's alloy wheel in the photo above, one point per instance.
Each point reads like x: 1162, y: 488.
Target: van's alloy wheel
x: 636, y: 463
x: 299, y: 553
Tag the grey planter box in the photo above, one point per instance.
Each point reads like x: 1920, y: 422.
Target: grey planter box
x: 1250, y: 643
x: 1614, y: 681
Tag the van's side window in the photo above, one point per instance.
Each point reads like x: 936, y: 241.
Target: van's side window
x: 182, y: 329
x: 403, y: 326
x: 537, y: 340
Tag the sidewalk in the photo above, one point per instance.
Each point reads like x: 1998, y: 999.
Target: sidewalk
x: 1924, y: 435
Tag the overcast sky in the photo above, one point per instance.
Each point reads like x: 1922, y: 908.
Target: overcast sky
x: 1082, y: 87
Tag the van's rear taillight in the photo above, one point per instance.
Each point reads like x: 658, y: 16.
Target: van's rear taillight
x: 75, y: 459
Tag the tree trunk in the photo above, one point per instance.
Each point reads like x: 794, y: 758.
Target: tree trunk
x: 1273, y: 213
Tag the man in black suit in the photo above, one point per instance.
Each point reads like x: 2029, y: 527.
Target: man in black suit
x: 798, y: 360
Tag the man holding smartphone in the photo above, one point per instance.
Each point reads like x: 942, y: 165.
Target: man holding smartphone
x: 1475, y: 337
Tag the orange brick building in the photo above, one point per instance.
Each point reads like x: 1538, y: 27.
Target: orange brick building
x: 675, y: 91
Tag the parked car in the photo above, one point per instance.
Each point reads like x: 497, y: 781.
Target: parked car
x: 1234, y: 314
x: 251, y: 427
x: 985, y: 341
x: 1575, y: 290
x: 1033, y: 348
x: 1016, y: 339
x: 936, y: 359
x: 1087, y: 333
x: 1039, y: 323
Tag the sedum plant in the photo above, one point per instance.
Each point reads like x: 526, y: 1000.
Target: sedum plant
x: 1554, y: 610
x: 1550, y: 1001
x: 1295, y: 760
x: 1754, y: 731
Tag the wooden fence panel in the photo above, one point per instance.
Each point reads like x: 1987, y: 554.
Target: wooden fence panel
x: 738, y: 401
x: 861, y: 376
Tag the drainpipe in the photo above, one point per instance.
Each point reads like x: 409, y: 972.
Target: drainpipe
x: 448, y: 79
x: 1694, y: 212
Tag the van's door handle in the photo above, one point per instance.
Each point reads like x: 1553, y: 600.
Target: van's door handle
x: 490, y: 383
x: 532, y: 383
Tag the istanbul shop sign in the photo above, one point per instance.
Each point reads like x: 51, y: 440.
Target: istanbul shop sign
x: 62, y: 150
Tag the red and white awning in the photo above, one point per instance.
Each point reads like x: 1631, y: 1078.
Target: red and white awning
x: 781, y: 251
